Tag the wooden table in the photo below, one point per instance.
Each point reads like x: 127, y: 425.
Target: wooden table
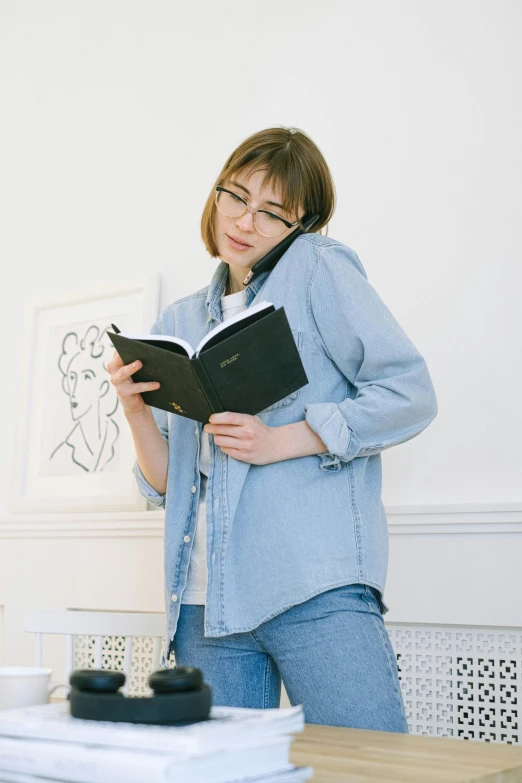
x: 356, y: 756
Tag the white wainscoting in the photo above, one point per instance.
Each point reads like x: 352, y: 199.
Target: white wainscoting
x: 447, y: 519
x: 106, y: 524
x: 452, y: 564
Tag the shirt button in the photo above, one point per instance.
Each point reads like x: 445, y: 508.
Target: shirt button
x: 173, y: 598
x: 193, y: 489
x: 186, y: 539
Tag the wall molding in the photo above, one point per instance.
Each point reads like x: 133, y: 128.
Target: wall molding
x: 101, y: 524
x: 456, y: 518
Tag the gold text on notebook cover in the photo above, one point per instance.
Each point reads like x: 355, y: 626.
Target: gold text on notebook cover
x: 177, y: 407
x: 229, y: 361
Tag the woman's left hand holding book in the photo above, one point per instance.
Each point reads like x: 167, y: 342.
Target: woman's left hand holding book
x: 129, y: 393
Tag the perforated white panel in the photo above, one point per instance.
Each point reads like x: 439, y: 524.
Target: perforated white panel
x: 460, y: 681
x: 456, y: 681
x: 113, y: 654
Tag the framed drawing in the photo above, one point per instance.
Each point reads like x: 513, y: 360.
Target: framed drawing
x: 74, y: 450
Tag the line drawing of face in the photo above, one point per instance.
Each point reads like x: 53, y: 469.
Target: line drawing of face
x: 90, y: 444
x: 83, y: 384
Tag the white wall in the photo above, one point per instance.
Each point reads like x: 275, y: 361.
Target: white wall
x: 115, y: 119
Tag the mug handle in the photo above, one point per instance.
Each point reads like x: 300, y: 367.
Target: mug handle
x: 54, y: 686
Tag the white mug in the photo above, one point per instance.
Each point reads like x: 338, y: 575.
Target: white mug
x: 23, y: 686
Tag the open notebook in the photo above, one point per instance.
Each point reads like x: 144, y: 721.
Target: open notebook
x: 243, y: 365
x: 221, y: 332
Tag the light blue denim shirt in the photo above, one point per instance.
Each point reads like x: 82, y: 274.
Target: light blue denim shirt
x: 282, y: 533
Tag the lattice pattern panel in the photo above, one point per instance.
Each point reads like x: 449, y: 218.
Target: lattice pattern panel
x: 113, y: 657
x: 460, y: 682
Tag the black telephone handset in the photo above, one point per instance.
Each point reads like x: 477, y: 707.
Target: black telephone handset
x: 269, y: 261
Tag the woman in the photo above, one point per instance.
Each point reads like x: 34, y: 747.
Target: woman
x: 276, y: 538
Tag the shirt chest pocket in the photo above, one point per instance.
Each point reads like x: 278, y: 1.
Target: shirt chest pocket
x: 290, y: 398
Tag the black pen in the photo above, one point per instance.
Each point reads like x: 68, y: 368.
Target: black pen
x: 115, y: 328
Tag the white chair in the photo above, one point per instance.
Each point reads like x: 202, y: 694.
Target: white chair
x: 99, y: 624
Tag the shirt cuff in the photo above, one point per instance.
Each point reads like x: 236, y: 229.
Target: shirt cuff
x: 148, y: 492
x: 328, y: 422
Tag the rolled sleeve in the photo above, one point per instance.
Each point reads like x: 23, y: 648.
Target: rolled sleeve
x: 394, y: 398
x: 328, y: 422
x: 148, y: 492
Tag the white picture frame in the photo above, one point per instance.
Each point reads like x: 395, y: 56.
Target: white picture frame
x: 73, y: 448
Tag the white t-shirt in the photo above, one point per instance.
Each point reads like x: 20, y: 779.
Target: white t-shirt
x: 196, y: 589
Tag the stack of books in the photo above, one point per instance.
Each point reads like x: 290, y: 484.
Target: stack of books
x: 44, y: 744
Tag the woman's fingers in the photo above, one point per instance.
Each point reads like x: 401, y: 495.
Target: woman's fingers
x: 234, y: 431
x: 115, y: 363
x: 124, y: 373
x: 127, y: 390
x: 229, y: 442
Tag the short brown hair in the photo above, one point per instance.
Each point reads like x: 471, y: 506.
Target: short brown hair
x: 293, y: 162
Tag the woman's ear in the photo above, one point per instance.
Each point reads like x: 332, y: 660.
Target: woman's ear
x: 65, y: 385
x: 104, y: 388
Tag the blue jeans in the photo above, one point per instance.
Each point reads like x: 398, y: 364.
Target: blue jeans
x: 332, y: 652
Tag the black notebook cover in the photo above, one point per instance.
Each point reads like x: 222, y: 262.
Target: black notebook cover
x: 244, y: 369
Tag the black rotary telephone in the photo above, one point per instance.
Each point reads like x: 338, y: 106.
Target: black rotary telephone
x: 179, y: 696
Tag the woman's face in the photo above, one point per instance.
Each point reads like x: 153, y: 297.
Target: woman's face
x: 227, y: 229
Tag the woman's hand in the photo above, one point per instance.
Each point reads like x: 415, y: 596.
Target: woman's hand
x: 129, y: 393
x: 244, y: 437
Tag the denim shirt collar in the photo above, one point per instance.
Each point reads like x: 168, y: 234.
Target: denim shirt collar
x: 217, y: 287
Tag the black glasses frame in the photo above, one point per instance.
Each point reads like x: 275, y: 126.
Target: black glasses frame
x: 219, y: 189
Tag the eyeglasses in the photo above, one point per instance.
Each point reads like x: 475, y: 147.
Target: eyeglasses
x: 266, y: 223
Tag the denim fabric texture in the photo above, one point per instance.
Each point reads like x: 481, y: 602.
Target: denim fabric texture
x: 332, y: 652
x: 280, y: 534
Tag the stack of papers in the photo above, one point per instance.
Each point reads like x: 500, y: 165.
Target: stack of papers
x: 45, y: 744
